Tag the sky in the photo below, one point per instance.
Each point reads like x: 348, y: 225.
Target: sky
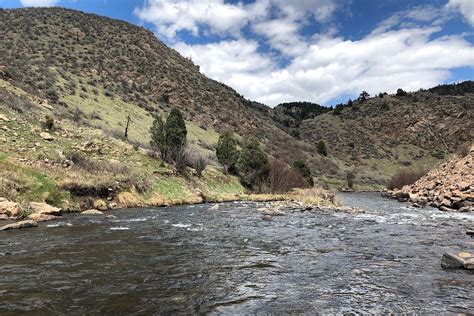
x: 322, y: 51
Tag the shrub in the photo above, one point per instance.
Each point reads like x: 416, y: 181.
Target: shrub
x: 322, y: 150
x: 226, y: 151
x: 302, y: 168
x: 48, y: 123
x: 350, y: 177
x: 364, y: 95
x: 405, y: 177
x: 338, y: 109
x: 283, y: 178
x: 401, y: 93
x: 253, y: 166
x: 197, y: 162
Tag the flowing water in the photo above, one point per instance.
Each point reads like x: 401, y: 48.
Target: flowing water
x: 193, y: 259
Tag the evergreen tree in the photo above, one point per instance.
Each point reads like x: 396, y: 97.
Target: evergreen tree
x: 338, y: 109
x: 158, y: 137
x: 226, y: 151
x: 303, y: 169
x: 253, y: 165
x: 322, y: 150
x: 175, y: 129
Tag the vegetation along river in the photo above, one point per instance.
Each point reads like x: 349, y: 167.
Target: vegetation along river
x: 194, y: 259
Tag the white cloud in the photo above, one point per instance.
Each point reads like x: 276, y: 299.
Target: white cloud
x: 39, y: 3
x: 332, y: 67
x: 403, y: 51
x: 466, y: 7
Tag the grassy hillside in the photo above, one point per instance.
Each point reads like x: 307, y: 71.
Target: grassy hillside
x: 107, y: 68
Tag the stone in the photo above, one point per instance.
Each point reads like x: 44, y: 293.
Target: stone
x: 450, y: 261
x: 214, y: 207
x: 9, y: 208
x: 465, y: 255
x: 19, y: 225
x: 4, y: 118
x: 469, y: 264
x: 3, y: 217
x: 46, y: 136
x: 42, y: 217
x: 268, y: 218
x: 470, y: 233
x: 92, y: 212
x: 43, y: 208
x: 466, y: 209
x: 446, y: 202
x: 113, y: 205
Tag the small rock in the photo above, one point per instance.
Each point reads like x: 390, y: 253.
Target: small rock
x: 450, y: 261
x: 42, y: 217
x: 3, y: 217
x: 4, y: 118
x: 43, y: 208
x: 113, y: 205
x: 268, y: 218
x: 9, y: 208
x: 46, y: 136
x: 19, y: 225
x: 92, y: 212
x: 214, y: 207
x: 470, y: 233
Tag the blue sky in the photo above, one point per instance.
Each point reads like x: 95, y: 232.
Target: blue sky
x: 323, y: 51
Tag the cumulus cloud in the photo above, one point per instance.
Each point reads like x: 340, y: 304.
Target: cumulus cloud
x: 331, y: 67
x: 403, y: 51
x: 39, y: 3
x: 466, y: 7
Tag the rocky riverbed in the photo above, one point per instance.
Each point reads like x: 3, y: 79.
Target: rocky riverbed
x: 226, y: 259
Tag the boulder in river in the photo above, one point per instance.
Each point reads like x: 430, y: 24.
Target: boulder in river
x: 92, y: 212
x: 469, y: 264
x: 42, y: 217
x: 451, y: 261
x: 9, y: 208
x: 4, y: 217
x: 268, y: 218
x: 43, y: 208
x: 18, y: 225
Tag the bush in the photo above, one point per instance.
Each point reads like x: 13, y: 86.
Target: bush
x: 197, y: 162
x: 350, y: 177
x: 48, y: 123
x: 338, y: 109
x: 322, y: 150
x: 253, y: 166
x: 302, y: 168
x: 283, y: 178
x: 405, y: 177
x: 401, y: 93
x: 226, y: 151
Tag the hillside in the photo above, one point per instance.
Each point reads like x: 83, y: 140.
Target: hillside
x: 97, y: 71
x: 104, y: 69
x: 381, y: 135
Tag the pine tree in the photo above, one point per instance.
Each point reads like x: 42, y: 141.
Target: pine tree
x: 175, y: 129
x: 226, y: 151
x: 158, y: 137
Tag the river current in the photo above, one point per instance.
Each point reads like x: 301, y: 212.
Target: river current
x: 194, y: 259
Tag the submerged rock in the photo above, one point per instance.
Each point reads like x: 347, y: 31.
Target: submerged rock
x: 4, y: 217
x: 451, y: 261
x: 19, y: 225
x: 92, y: 212
x: 268, y: 218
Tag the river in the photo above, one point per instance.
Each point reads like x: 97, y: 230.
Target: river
x: 194, y: 259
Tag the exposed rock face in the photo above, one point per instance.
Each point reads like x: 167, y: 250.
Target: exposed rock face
x: 43, y: 208
x: 450, y: 261
x: 92, y: 212
x: 9, y: 208
x: 448, y: 187
x: 19, y: 225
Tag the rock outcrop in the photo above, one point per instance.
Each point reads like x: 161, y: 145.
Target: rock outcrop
x: 448, y: 187
x: 9, y: 208
x: 43, y: 208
